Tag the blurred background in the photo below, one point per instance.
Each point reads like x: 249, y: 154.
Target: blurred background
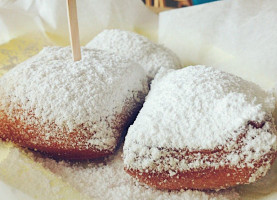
x: 174, y: 3
x: 162, y: 5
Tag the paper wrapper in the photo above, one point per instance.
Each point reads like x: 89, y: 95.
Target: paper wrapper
x: 93, y: 15
x: 236, y: 36
x: 239, y: 37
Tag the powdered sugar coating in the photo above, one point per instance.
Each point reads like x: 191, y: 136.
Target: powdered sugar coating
x: 87, y: 93
x: 200, y: 108
x: 138, y: 48
x: 108, y: 180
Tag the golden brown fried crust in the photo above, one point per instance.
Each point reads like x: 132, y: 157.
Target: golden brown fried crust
x: 202, y: 179
x: 73, y: 146
x: 61, y: 144
x: 207, y: 177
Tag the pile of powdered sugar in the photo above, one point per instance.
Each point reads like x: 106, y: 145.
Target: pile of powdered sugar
x: 135, y: 47
x: 200, y: 108
x: 108, y: 180
x: 89, y: 92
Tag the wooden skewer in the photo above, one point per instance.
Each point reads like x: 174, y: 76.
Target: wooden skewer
x: 73, y: 29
